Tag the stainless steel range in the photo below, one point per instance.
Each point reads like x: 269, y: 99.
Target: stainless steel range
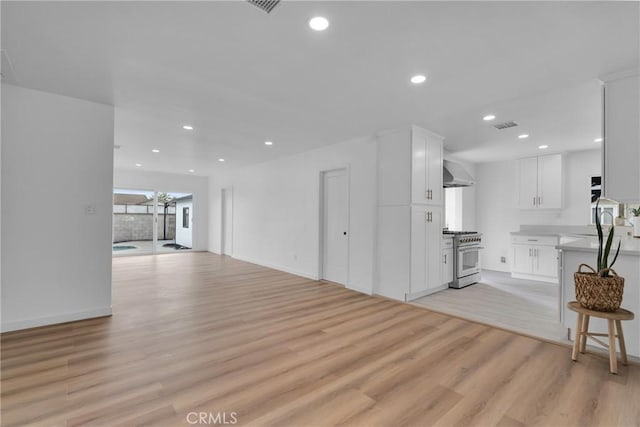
x: 466, y: 258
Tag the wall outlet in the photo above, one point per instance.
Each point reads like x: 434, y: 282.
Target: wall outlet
x: 503, y: 259
x: 90, y: 209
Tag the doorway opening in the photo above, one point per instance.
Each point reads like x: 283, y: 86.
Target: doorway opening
x: 226, y: 222
x: 150, y: 222
x: 334, y: 226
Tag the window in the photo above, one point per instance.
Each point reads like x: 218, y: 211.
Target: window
x: 185, y: 217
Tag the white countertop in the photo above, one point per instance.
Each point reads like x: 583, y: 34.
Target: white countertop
x: 567, y: 230
x: 629, y: 245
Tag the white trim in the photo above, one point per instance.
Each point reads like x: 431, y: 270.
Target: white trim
x: 426, y: 132
x: 304, y: 274
x: 361, y: 289
x: 53, y: 320
x: 618, y: 75
x: 416, y: 295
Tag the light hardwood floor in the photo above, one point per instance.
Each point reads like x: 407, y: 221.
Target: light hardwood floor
x: 199, y: 332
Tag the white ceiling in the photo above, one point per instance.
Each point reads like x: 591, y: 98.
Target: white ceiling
x: 241, y: 76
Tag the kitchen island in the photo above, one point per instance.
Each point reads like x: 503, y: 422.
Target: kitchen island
x: 584, y: 251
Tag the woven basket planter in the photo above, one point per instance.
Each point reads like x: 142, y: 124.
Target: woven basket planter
x: 595, y: 292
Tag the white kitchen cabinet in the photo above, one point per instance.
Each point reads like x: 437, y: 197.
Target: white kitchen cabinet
x: 409, y: 167
x: 535, y: 258
x: 528, y: 182
x: 426, y: 239
x: 410, y: 218
x: 447, y: 265
x: 426, y: 171
x: 540, y: 182
x: 621, y: 146
x: 521, y: 260
x: 546, y: 261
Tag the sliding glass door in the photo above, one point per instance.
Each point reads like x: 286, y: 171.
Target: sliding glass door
x: 149, y: 222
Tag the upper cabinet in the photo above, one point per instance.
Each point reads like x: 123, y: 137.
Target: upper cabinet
x: 621, y: 146
x: 426, y: 179
x: 540, y: 182
x: 409, y: 167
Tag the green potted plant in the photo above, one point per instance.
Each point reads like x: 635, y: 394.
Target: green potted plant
x: 635, y: 221
x: 600, y: 289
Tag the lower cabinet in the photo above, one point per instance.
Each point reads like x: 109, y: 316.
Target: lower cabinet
x: 535, y: 258
x: 426, y: 250
x: 447, y: 266
x: 409, y: 261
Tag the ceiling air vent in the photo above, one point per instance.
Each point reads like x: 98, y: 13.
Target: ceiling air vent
x: 266, y: 5
x: 505, y: 125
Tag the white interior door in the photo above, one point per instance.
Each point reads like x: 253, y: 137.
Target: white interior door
x: 226, y: 246
x: 335, y: 248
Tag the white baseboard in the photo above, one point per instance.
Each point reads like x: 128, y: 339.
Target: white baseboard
x: 360, y: 289
x: 305, y: 274
x: 416, y: 295
x: 52, y: 320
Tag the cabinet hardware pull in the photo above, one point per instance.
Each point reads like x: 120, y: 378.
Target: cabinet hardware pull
x: 534, y: 201
x: 426, y: 194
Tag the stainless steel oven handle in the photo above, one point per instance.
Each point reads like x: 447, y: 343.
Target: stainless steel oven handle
x: 475, y: 248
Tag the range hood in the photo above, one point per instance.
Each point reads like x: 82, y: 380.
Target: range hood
x: 454, y: 175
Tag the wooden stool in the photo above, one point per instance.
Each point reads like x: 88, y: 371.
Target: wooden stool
x: 582, y: 332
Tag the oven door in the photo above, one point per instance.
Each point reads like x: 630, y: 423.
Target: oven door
x: 468, y: 261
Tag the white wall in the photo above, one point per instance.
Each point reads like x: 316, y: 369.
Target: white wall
x: 57, y: 158
x: 276, y: 210
x: 497, y: 198
x: 178, y: 183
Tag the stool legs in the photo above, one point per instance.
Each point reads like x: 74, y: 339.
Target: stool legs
x: 613, y: 362
x: 578, y: 338
x: 585, y: 330
x: 623, y: 348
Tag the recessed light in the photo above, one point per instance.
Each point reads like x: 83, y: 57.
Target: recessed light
x: 138, y: 164
x: 488, y: 117
x: 187, y: 127
x: 597, y: 140
x: 523, y: 136
x: 319, y: 23
x: 221, y: 159
x: 543, y: 147
x: 192, y: 170
x: 155, y: 150
x: 417, y: 79
x: 268, y: 143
